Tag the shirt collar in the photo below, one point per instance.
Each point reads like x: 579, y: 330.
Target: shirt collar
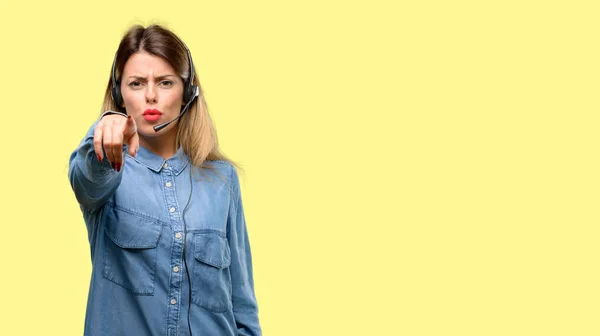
x: 155, y: 162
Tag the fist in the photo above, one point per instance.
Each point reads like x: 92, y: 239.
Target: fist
x: 111, y: 133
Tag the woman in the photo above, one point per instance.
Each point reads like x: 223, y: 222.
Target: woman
x: 163, y: 208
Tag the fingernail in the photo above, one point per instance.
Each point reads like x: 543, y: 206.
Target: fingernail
x: 118, y: 167
x: 99, y: 158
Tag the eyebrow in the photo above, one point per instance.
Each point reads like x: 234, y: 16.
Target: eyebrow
x: 144, y: 78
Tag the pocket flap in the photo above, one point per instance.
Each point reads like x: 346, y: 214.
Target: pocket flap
x: 212, y: 249
x: 129, y: 230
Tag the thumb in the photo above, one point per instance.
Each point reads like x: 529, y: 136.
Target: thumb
x: 134, y: 144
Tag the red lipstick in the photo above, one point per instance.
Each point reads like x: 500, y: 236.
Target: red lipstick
x: 152, y: 114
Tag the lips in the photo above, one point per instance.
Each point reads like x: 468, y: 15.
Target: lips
x: 152, y: 114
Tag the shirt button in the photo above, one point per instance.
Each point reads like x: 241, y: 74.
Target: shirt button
x: 168, y: 184
x: 172, y: 209
x: 178, y: 235
x: 173, y: 301
x: 175, y: 269
x: 165, y: 165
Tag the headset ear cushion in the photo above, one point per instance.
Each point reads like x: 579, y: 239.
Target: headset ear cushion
x: 191, y: 91
x: 186, y: 94
x: 116, y: 95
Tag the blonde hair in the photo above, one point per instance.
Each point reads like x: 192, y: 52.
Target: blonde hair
x: 196, y: 133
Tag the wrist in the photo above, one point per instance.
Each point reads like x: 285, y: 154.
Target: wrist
x: 112, y: 112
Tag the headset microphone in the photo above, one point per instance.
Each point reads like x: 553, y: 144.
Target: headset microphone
x: 163, y: 125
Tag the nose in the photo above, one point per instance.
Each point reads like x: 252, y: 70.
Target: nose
x: 150, y: 95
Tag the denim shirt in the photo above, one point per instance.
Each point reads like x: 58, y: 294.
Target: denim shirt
x: 154, y: 265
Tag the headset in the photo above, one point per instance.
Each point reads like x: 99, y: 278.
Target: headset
x: 190, y: 91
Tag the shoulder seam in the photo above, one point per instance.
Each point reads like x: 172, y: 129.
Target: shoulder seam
x: 234, y: 195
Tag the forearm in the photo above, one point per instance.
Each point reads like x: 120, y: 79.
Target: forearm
x: 93, y: 182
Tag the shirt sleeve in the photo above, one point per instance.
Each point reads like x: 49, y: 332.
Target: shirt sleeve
x: 93, y: 182
x: 245, y: 308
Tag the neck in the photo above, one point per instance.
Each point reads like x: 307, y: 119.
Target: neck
x: 163, y: 145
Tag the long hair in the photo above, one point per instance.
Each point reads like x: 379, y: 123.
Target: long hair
x: 196, y: 133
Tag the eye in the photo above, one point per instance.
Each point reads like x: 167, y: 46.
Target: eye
x: 166, y: 83
x: 134, y: 84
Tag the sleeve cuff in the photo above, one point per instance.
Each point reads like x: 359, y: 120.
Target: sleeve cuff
x: 112, y: 112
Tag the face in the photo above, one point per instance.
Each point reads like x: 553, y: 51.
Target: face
x: 152, y: 93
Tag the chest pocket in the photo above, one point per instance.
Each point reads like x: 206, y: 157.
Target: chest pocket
x: 130, y: 248
x: 211, y: 281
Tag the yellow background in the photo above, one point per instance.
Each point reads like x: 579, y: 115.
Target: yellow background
x: 412, y: 167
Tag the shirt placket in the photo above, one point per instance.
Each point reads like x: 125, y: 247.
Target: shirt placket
x: 174, y: 305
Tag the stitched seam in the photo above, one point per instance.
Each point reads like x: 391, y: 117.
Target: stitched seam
x: 207, y: 231
x: 156, y: 170
x: 107, y: 274
x: 134, y: 212
x: 116, y: 282
x: 233, y: 194
x: 198, y: 257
